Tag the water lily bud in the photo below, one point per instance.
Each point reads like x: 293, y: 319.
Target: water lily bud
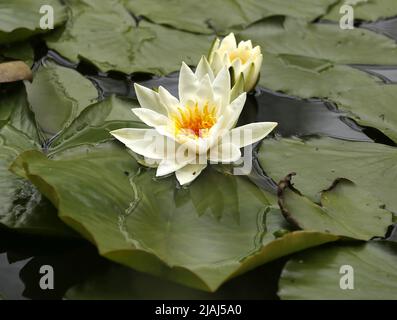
x: 243, y: 60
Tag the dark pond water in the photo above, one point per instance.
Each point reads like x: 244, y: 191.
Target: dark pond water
x: 22, y: 256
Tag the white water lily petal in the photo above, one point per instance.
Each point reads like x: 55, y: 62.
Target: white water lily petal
x: 221, y: 87
x: 151, y: 118
x: 168, y: 166
x: 214, y: 47
x: 225, y: 153
x: 145, y: 142
x: 188, y: 84
x: 203, y: 69
x: 205, y: 92
x: 217, y: 62
x: 229, y: 42
x: 251, y: 133
x: 170, y: 102
x: 234, y: 110
x: 188, y: 173
x: 149, y: 99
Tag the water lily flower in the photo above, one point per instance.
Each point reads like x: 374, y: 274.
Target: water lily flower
x: 188, y: 132
x: 244, y: 60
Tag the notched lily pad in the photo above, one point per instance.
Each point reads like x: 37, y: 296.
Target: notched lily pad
x: 344, y: 210
x: 319, y: 161
x: 149, y: 225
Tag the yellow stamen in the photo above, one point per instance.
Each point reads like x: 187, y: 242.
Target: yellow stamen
x: 194, y: 121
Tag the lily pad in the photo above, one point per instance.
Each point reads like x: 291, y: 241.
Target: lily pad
x: 22, y: 207
x: 167, y: 48
x: 150, y: 226
x: 19, y: 51
x: 317, y: 273
x: 102, y: 32
x: 106, y: 35
x: 318, y: 162
x: 20, y: 19
x: 95, y: 122
x: 372, y: 106
x: 365, y: 10
x: 344, y: 209
x: 57, y: 96
x: 322, y: 41
x: 322, y: 78
x: 223, y: 15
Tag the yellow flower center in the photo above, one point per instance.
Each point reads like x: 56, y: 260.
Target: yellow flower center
x: 194, y: 121
x: 240, y: 53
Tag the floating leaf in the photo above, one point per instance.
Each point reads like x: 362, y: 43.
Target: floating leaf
x: 322, y: 80
x: 153, y: 227
x: 344, y: 209
x: 223, y: 15
x: 316, y: 274
x: 365, y: 10
x: 22, y: 207
x: 57, y: 96
x: 102, y: 32
x: 20, y: 19
x: 19, y: 51
x: 96, y: 121
x: 320, y: 161
x: 167, y: 48
x: 322, y: 41
x: 106, y: 35
x: 368, y: 109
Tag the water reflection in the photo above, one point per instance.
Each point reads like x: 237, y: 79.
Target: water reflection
x: 81, y: 274
x: 387, y: 27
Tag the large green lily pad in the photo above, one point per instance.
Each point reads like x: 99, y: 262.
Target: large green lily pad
x: 167, y: 48
x: 22, y: 207
x: 365, y: 10
x: 322, y: 41
x: 148, y: 224
x: 105, y: 34
x: 317, y: 274
x: 322, y: 78
x: 20, y: 19
x: 57, y: 96
x: 372, y: 106
x: 320, y: 161
x: 344, y: 209
x: 223, y: 15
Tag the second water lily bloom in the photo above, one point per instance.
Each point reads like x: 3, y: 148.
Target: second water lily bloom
x: 188, y: 132
x: 244, y: 60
